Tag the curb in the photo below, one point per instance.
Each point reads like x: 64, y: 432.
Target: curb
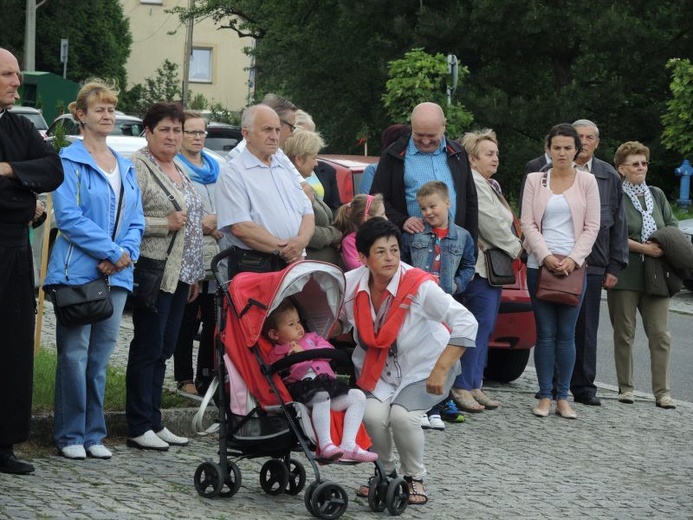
x: 178, y: 420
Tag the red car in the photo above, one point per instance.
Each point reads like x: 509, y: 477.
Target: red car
x: 514, y: 335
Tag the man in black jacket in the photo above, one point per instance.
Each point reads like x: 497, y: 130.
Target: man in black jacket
x: 28, y: 165
x: 424, y: 156
x: 609, y: 255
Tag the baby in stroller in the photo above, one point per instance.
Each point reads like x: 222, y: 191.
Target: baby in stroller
x: 315, y: 384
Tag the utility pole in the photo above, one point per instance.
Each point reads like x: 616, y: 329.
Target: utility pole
x: 188, y: 52
x: 30, y: 37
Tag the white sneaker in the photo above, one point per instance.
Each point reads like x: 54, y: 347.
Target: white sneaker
x: 436, y: 422
x: 425, y: 423
x: 99, y: 451
x: 171, y: 438
x: 148, y: 441
x: 74, y: 452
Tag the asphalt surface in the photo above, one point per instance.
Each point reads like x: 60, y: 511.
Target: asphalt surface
x: 616, y: 461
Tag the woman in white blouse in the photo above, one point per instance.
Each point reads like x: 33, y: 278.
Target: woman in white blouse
x: 394, y: 309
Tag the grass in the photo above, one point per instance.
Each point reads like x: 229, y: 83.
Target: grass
x: 114, y: 400
x: 680, y: 213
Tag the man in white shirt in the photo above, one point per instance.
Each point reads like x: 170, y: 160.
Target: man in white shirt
x: 261, y: 208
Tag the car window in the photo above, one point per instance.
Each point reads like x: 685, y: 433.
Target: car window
x: 71, y: 128
x: 131, y: 128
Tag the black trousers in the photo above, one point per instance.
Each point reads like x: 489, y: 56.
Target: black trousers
x: 199, y: 311
x: 585, y: 370
x: 17, y: 322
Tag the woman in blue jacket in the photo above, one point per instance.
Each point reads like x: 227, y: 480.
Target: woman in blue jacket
x: 100, y: 193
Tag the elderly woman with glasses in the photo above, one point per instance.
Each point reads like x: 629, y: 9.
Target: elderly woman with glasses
x: 647, y: 210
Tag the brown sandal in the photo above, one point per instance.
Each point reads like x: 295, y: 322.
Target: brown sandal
x: 417, y: 492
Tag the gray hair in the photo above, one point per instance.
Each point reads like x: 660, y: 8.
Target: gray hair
x: 279, y: 104
x: 248, y: 117
x: 585, y: 122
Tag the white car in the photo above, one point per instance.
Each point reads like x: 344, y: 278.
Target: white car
x: 125, y: 146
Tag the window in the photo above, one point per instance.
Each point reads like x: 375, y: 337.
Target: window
x: 201, y: 65
x: 156, y: 2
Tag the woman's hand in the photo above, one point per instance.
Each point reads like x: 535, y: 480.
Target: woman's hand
x: 107, y: 268
x: 652, y: 249
x: 124, y: 261
x: 176, y: 220
x: 193, y: 292
x: 435, y: 384
x: 566, y: 266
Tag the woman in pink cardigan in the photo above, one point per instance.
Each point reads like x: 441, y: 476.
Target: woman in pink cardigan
x: 560, y: 216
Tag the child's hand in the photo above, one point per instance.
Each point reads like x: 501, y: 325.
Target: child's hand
x: 295, y: 348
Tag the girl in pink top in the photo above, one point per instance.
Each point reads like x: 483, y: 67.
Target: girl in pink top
x: 349, y: 219
x: 315, y: 384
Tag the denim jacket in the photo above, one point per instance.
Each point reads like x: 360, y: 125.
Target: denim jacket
x: 457, y: 256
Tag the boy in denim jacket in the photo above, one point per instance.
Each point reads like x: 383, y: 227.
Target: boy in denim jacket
x: 447, y: 251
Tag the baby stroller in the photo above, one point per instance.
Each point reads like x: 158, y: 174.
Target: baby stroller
x: 257, y: 417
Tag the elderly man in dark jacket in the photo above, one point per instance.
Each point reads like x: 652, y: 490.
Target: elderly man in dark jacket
x: 28, y: 165
x: 424, y: 156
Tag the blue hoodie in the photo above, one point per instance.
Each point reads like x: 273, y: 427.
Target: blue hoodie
x: 85, y: 213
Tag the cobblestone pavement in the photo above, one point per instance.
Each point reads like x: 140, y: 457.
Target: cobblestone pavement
x: 616, y: 461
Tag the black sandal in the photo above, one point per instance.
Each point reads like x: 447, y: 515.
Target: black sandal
x: 417, y: 492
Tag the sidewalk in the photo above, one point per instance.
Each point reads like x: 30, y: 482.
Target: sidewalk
x: 615, y: 461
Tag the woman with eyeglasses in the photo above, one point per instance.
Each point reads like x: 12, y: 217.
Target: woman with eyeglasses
x: 203, y: 170
x: 647, y: 210
x: 173, y: 232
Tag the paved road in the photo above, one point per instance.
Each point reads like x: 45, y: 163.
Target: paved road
x: 615, y: 462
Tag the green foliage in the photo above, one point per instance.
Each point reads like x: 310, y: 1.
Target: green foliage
x: 59, y: 140
x: 420, y: 77
x: 198, y: 101
x: 98, y: 31
x: 164, y: 86
x: 223, y: 115
x: 678, y: 119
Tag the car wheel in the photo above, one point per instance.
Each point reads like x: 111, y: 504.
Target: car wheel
x: 506, y: 365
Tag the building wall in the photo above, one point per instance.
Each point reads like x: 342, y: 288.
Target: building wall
x: 150, y: 25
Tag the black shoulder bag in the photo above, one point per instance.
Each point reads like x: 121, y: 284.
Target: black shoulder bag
x: 76, y: 305
x: 149, y: 272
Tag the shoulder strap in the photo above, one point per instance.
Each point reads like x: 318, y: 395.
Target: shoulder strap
x: 120, y: 206
x: 173, y: 201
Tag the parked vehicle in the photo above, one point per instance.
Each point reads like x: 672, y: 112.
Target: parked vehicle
x: 222, y: 138
x: 33, y: 115
x: 515, y: 333
x: 125, y: 125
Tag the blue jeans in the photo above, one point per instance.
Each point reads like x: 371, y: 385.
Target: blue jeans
x: 80, y: 377
x: 154, y: 341
x: 483, y: 301
x: 555, y: 347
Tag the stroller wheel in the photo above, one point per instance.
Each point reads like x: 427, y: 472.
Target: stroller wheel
x: 308, y: 495
x: 297, y: 477
x: 397, y: 496
x: 329, y: 501
x: 377, y: 491
x: 274, y: 477
x: 208, y: 479
x: 232, y: 481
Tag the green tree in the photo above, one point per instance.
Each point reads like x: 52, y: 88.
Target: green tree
x: 678, y: 119
x: 98, y: 31
x: 163, y: 86
x: 420, y: 77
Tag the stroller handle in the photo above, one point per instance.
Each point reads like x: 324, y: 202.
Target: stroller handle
x: 318, y: 353
x: 222, y: 255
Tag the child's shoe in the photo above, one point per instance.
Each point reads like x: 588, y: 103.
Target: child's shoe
x: 425, y: 422
x: 358, y: 454
x: 330, y: 452
x: 450, y: 413
x: 436, y: 422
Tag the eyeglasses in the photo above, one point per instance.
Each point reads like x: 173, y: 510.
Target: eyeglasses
x: 195, y: 133
x: 293, y: 127
x: 644, y: 164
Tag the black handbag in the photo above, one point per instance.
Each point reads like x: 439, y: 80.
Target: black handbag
x: 499, y: 267
x: 87, y: 303
x: 81, y: 304
x: 149, y: 272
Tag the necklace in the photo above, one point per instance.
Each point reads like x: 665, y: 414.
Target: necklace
x: 104, y: 159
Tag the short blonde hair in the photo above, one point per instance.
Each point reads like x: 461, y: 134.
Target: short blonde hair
x: 471, y: 140
x: 433, y: 188
x: 94, y: 89
x: 304, y: 121
x: 303, y: 143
